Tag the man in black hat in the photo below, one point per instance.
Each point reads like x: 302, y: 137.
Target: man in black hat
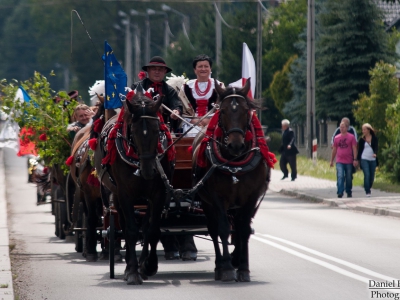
x: 174, y: 246
x: 156, y: 70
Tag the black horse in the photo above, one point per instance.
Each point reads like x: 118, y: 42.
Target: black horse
x: 130, y: 184
x: 233, y: 186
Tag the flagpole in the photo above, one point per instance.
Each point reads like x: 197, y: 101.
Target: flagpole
x: 259, y: 57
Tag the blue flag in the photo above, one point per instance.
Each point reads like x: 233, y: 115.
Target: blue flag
x: 114, y: 77
x: 22, y: 95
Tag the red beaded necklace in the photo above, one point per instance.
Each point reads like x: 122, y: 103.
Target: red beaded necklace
x: 199, y: 92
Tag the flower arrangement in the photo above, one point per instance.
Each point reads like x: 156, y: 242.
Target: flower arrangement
x: 46, y: 115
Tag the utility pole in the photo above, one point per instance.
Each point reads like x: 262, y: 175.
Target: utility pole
x: 218, y: 39
x: 147, y: 54
x: 128, y: 50
x: 259, y: 55
x: 166, y: 34
x: 311, y: 130
x: 137, y: 49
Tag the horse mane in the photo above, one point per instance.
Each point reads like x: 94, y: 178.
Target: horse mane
x: 252, y: 103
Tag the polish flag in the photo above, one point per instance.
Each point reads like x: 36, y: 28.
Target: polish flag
x: 248, y: 71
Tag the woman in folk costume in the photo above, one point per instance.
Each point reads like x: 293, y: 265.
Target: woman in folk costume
x: 200, y: 93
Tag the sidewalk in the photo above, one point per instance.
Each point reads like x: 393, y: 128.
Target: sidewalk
x: 324, y: 191
x: 6, y: 284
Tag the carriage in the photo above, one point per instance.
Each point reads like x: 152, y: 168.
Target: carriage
x: 184, y: 206
x: 184, y: 216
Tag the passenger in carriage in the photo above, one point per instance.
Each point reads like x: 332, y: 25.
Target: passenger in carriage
x: 199, y: 92
x: 83, y: 115
x: 174, y: 246
x: 156, y: 70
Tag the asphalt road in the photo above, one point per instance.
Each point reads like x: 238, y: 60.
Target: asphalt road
x: 300, y: 251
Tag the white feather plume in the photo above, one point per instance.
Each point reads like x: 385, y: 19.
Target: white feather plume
x: 97, y: 89
x: 176, y: 81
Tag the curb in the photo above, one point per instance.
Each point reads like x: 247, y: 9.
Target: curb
x: 315, y: 199
x: 6, y: 283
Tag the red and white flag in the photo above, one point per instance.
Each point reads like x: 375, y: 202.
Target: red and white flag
x: 248, y: 71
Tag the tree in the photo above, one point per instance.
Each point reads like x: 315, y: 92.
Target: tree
x: 180, y: 53
x: 244, y: 18
x: 352, y: 41
x: 281, y: 32
x: 281, y: 88
x: 372, y: 108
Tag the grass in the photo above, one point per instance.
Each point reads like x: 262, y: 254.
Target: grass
x: 11, y: 247
x: 322, y: 170
x: 4, y: 286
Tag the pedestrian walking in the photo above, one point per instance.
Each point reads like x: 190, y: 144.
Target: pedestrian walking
x: 345, y: 152
x: 288, y: 151
x: 367, y: 151
x: 350, y: 129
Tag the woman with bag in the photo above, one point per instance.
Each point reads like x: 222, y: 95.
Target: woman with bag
x: 367, y: 151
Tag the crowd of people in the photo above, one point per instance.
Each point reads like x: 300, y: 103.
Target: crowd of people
x: 346, y: 152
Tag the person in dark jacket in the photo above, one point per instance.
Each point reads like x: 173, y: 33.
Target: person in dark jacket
x: 156, y: 70
x: 367, y: 152
x: 175, y: 247
x: 288, y: 151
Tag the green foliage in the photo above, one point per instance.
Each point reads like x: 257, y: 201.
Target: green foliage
x: 281, y: 88
x: 180, y: 54
x: 372, y: 109
x: 243, y: 16
x: 391, y: 162
x: 353, y: 40
x: 275, y: 142
x: 281, y: 32
x: 391, y: 154
x: 271, y: 115
x: 43, y: 115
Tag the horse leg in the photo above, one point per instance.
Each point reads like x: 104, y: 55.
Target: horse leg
x: 131, y: 236
x: 149, y: 267
x: 235, y: 255
x: 212, y: 225
x: 145, y: 249
x: 91, y: 224
x: 244, y: 231
x: 227, y: 270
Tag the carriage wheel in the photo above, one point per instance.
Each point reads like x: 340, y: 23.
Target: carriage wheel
x: 79, y: 234
x: 111, y: 244
x: 62, y: 213
x: 56, y: 219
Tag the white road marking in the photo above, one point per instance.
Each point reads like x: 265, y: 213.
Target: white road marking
x: 337, y: 260
x: 323, y: 263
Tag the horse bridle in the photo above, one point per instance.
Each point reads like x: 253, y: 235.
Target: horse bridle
x: 234, y: 105
x: 144, y: 117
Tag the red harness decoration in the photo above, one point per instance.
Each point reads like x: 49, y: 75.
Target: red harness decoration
x: 112, y: 148
x: 214, y: 131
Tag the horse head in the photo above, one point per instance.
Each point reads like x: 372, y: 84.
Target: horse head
x: 234, y: 118
x: 144, y: 127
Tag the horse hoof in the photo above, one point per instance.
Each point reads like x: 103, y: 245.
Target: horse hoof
x: 91, y: 257
x: 134, y: 279
x: 217, y: 274
x: 243, y: 275
x: 228, y: 275
x: 189, y: 255
x: 147, y: 270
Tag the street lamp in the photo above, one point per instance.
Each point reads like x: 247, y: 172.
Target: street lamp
x: 185, y: 22
x: 134, y: 12
x: 128, y: 44
x: 167, y: 30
